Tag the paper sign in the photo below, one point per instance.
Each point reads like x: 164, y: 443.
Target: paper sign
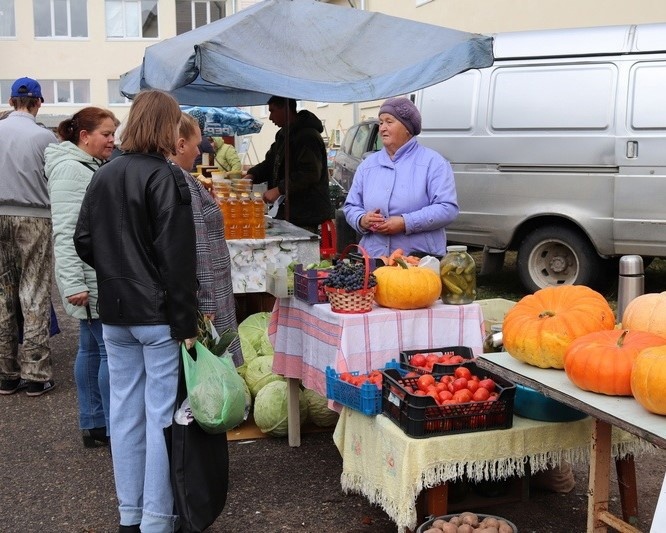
x: 659, y: 519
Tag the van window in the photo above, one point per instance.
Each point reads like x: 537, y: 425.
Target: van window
x: 533, y: 99
x: 349, y: 137
x: 648, y: 82
x: 361, y: 139
x: 451, y: 105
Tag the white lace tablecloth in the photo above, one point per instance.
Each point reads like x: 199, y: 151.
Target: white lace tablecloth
x: 390, y: 469
x: 284, y: 244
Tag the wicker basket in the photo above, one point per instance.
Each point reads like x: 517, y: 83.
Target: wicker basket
x: 359, y: 301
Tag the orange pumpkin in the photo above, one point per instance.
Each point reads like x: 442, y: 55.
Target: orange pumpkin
x: 648, y: 379
x: 602, y: 361
x: 646, y: 312
x: 540, y: 327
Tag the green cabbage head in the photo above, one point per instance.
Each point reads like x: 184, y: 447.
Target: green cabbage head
x: 259, y: 372
x: 318, y: 412
x: 270, y: 408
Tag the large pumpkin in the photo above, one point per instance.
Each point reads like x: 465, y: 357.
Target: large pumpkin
x: 602, y: 361
x: 540, y: 327
x: 406, y: 287
x: 648, y: 379
x: 646, y: 312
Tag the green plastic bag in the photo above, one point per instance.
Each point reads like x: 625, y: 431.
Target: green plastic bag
x: 214, y: 389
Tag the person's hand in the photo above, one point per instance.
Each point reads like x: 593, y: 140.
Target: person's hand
x: 371, y: 220
x: 80, y: 299
x: 189, y: 342
x: 390, y: 226
x: 271, y: 195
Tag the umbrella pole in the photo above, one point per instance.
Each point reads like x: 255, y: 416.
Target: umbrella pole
x: 287, y: 133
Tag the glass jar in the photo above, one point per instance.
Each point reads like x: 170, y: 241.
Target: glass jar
x: 458, y: 272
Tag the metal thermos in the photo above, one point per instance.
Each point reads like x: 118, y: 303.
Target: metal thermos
x: 631, y: 282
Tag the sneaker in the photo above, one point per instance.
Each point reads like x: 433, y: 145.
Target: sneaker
x: 37, y: 388
x: 10, y: 386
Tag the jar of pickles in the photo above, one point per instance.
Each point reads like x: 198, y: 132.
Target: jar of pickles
x: 458, y: 272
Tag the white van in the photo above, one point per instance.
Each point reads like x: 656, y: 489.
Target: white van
x: 558, y: 149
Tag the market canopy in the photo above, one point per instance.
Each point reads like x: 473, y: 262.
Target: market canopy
x: 221, y: 121
x: 306, y: 50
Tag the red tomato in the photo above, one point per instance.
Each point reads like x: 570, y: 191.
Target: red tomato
x: 346, y: 376
x: 487, y: 384
x: 462, y: 396
x: 440, y: 386
x: 412, y: 374
x: 445, y: 395
x: 472, y: 385
x: 446, y: 379
x: 462, y: 372
x: 481, y: 395
x: 424, y: 381
x: 418, y: 360
x: 493, y: 396
x: 432, y: 358
x: 444, y: 359
x: 419, y: 392
x: 456, y: 359
x: 459, y: 384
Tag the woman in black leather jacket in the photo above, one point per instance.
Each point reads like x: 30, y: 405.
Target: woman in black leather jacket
x: 136, y: 229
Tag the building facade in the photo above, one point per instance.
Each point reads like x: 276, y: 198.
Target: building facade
x: 78, y: 49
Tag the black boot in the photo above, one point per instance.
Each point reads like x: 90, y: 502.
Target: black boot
x: 129, y: 529
x: 95, y: 437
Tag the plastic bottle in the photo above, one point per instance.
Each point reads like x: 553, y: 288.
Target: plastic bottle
x: 458, y: 272
x: 233, y: 224
x: 245, y: 216
x: 258, y: 220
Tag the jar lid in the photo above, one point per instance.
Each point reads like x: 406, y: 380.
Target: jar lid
x: 456, y: 248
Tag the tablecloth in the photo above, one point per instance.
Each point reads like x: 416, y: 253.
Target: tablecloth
x: 284, y: 244
x: 308, y: 338
x: 390, y: 469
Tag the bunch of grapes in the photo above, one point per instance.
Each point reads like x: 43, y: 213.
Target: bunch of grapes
x: 349, y: 276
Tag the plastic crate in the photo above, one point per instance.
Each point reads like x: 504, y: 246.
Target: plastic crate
x: 494, y: 310
x: 308, y: 285
x: 367, y: 398
x: 420, y: 416
x: 279, y: 283
x: 464, y: 351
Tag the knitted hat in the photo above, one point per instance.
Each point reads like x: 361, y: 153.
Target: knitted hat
x: 405, y: 111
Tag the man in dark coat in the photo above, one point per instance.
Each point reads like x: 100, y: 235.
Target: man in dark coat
x: 306, y: 187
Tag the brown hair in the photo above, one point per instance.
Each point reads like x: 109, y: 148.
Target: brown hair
x: 151, y: 124
x: 188, y: 126
x: 24, y: 102
x: 88, y: 119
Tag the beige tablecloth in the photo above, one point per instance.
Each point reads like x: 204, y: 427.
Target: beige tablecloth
x: 390, y: 469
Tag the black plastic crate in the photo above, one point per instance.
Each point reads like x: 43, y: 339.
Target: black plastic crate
x: 420, y: 416
x: 463, y: 351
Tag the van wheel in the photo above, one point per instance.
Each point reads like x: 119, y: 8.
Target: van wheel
x: 557, y: 255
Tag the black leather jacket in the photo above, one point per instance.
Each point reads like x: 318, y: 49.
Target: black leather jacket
x: 136, y: 229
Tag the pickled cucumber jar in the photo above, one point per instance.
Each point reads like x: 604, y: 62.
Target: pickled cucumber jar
x: 458, y: 272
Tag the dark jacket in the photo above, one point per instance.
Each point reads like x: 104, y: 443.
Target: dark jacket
x: 136, y: 230
x: 309, y: 199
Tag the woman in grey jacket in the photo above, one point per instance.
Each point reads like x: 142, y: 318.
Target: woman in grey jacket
x: 88, y: 139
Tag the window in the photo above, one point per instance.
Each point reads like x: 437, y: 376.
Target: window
x: 131, y: 19
x: 66, y: 91
x: 191, y: 14
x: 7, y: 19
x: 61, y: 18
x: 5, y: 90
x: 115, y: 96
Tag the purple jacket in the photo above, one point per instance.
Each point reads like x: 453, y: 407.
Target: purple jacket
x: 419, y: 185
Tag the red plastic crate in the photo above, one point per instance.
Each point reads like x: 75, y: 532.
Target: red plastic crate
x: 420, y: 416
x: 308, y: 285
x: 464, y: 351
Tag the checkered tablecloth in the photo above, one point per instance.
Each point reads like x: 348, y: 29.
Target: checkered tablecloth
x: 308, y: 338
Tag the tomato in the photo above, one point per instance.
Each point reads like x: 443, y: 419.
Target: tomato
x: 493, y: 396
x: 419, y: 392
x: 481, y: 395
x: 459, y: 384
x: 439, y: 387
x: 424, y: 381
x: 444, y: 359
x: 472, y: 385
x: 418, y: 360
x: 487, y: 384
x: 462, y: 396
x: 462, y: 372
x: 446, y: 379
x: 432, y: 358
x: 346, y: 376
x: 456, y: 359
x: 412, y: 374
x: 445, y: 395
x: 433, y: 394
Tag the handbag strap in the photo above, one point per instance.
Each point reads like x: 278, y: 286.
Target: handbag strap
x: 181, y: 392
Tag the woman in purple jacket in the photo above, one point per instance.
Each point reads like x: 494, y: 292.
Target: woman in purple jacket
x: 404, y: 195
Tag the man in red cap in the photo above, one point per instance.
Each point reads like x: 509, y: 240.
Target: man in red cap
x: 25, y: 245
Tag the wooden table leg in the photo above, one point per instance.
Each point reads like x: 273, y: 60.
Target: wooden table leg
x: 626, y: 480
x: 431, y: 502
x: 599, y: 478
x: 293, y: 412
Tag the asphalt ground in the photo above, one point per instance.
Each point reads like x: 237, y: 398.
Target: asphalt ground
x: 50, y: 483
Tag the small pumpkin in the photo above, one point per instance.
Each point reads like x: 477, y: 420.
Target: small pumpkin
x: 646, y: 312
x: 540, y: 327
x: 406, y: 287
x: 648, y: 379
x: 602, y: 361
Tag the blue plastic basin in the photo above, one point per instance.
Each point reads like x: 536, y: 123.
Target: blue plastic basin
x: 530, y: 403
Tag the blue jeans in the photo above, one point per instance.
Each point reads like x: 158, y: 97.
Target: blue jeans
x: 91, y: 373
x: 143, y: 371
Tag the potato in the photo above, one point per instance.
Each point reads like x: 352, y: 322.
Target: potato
x: 489, y: 521
x: 433, y: 530
x: 465, y: 528
x: 470, y: 518
x: 455, y: 520
x: 438, y: 523
x: 491, y: 529
x: 448, y: 527
x: 504, y: 527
